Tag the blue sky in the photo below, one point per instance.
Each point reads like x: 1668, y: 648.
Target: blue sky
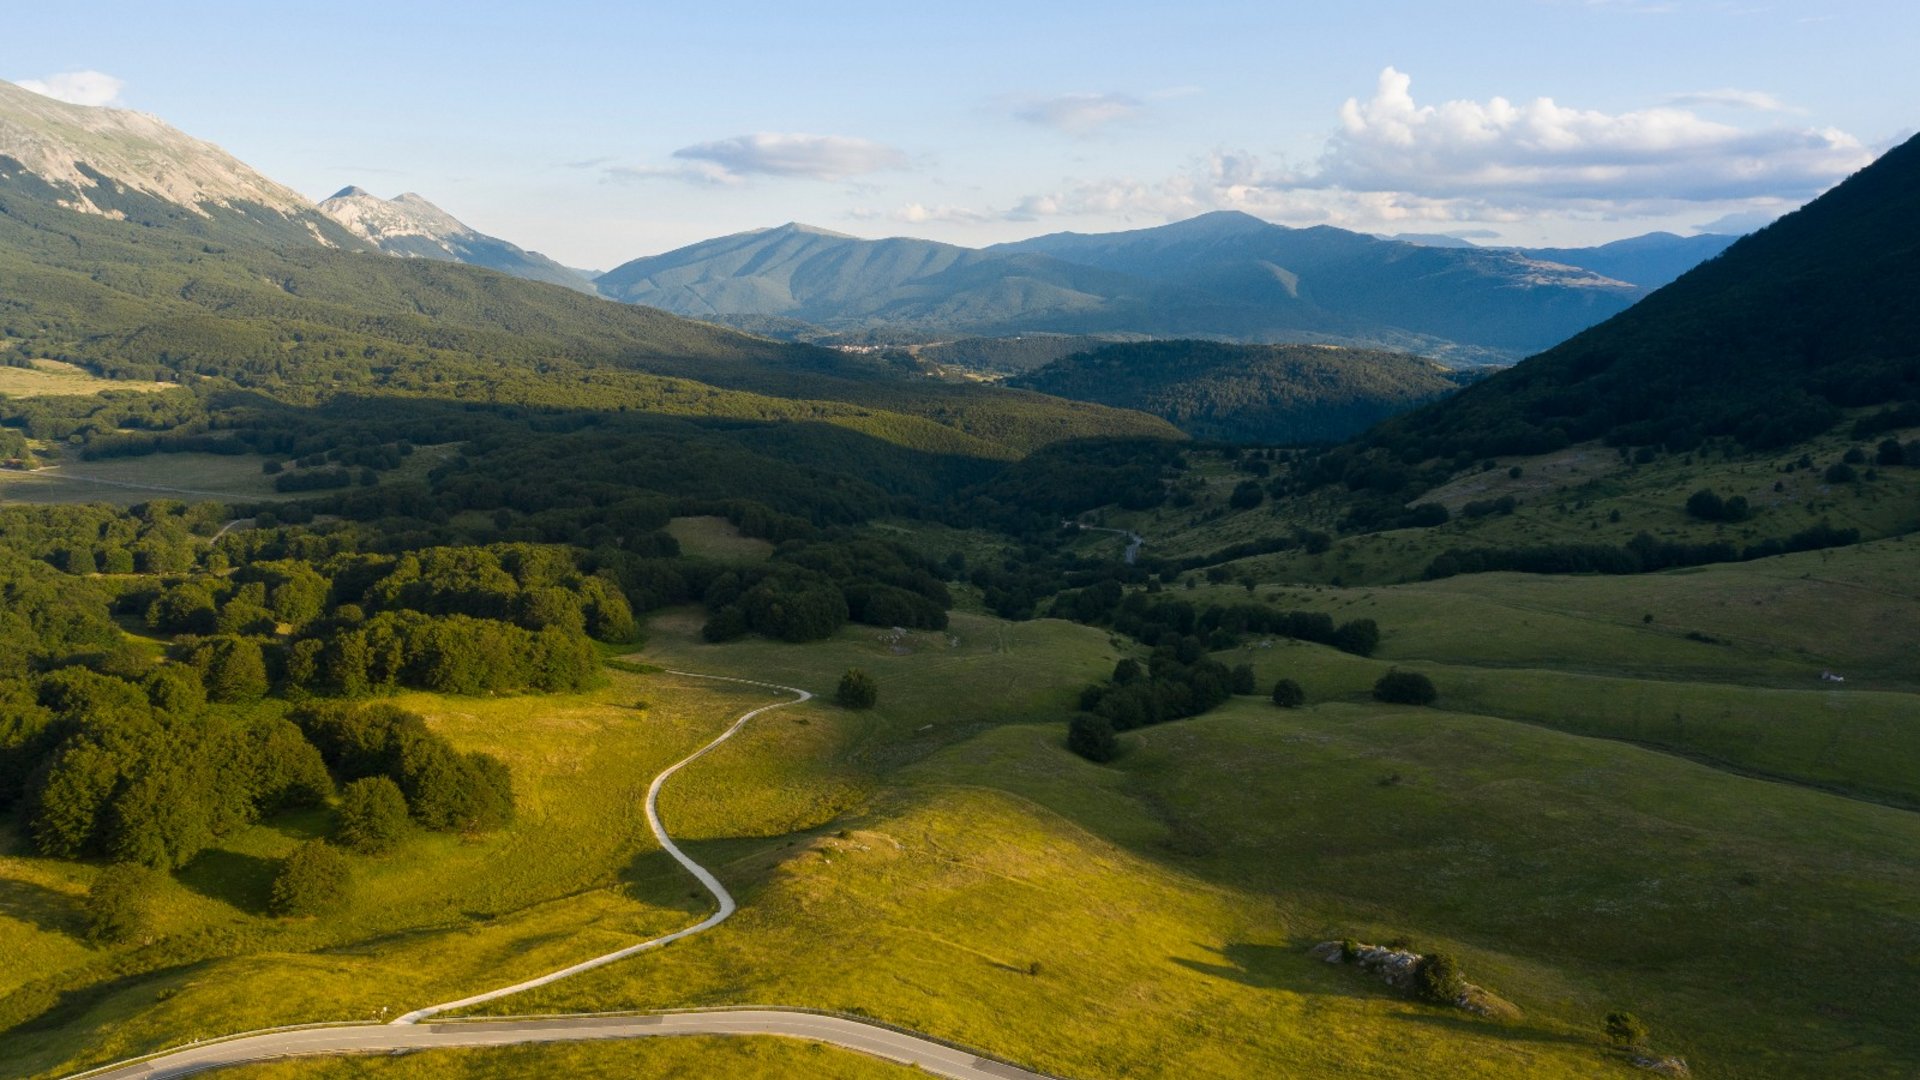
x: 597, y: 132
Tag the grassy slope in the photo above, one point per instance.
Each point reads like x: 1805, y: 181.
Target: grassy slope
x: 912, y: 862
x: 1568, y: 497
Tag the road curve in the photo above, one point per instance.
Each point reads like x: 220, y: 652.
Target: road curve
x: 866, y: 1038
x: 706, y: 878
x: 408, y: 1034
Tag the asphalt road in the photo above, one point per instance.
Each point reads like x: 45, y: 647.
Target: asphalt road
x: 872, y: 1039
x: 706, y: 878
x: 408, y: 1032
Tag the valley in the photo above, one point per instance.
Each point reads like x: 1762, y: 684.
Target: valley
x: 1084, y: 655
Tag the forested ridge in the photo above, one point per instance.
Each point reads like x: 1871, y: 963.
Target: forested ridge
x: 1248, y: 393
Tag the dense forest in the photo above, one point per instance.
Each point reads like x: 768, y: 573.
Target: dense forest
x: 1249, y: 393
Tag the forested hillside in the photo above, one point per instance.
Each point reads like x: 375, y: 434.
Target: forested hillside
x: 1766, y: 344
x: 1248, y: 393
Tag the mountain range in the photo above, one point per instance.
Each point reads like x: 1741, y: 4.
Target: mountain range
x: 1224, y: 275
x: 410, y: 226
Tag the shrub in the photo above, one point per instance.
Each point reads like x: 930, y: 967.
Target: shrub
x: 1242, y: 679
x: 1840, y: 473
x: 1625, y: 1029
x: 1288, y: 695
x: 1091, y: 736
x: 312, y: 881
x: 118, y: 906
x: 1437, y: 978
x: 1405, y: 688
x: 373, y: 814
x: 857, y: 690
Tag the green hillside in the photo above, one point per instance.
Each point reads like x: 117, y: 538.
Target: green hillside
x: 1765, y: 344
x: 1248, y: 393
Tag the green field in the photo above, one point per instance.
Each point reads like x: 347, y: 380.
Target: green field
x: 1582, y: 495
x: 716, y: 538
x: 129, y: 481
x: 52, y: 378
x: 941, y: 862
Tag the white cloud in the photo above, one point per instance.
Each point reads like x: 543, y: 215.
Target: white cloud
x: 1541, y: 149
x: 1080, y: 114
x: 77, y: 87
x: 817, y: 157
x: 698, y: 173
x: 1730, y: 98
x: 914, y: 213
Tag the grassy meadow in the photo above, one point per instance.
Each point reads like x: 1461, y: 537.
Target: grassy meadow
x: 943, y: 863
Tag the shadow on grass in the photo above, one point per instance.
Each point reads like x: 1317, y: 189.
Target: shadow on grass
x: 1455, y: 1022
x: 244, y: 881
x: 1244, y: 963
x: 44, y: 908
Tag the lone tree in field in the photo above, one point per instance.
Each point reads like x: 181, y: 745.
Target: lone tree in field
x: 119, y: 904
x: 312, y: 881
x: 1437, y: 977
x: 373, y: 815
x: 857, y: 690
x: 1288, y: 695
x: 1091, y: 736
x: 1405, y: 688
x: 1625, y: 1029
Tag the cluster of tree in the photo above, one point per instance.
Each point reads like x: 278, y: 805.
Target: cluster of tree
x: 158, y: 537
x: 811, y: 589
x: 1707, y: 505
x: 143, y: 771
x: 448, y: 654
x: 1156, y: 618
x: 1643, y: 554
x: 1177, y: 681
x: 442, y: 788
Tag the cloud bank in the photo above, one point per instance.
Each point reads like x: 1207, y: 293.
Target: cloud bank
x: 77, y: 87
x: 817, y: 157
x: 1394, y: 162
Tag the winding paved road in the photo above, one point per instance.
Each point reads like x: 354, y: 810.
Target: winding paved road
x: 844, y: 1032
x: 407, y: 1033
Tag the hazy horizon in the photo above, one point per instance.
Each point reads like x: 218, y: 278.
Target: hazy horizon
x: 596, y: 134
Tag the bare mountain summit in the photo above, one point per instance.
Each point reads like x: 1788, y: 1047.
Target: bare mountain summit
x: 123, y: 164
x: 412, y: 227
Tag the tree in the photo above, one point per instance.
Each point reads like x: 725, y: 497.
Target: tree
x: 119, y: 904
x: 1242, y: 679
x: 233, y: 669
x: 857, y: 690
x: 1288, y: 695
x: 1359, y: 637
x: 1091, y: 736
x: 313, y: 880
x: 1247, y: 494
x: 1405, y: 688
x: 373, y: 815
x: 1437, y: 977
x: 1625, y: 1029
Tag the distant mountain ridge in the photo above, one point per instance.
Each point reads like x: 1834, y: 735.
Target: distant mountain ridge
x: 1222, y: 275
x: 410, y: 226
